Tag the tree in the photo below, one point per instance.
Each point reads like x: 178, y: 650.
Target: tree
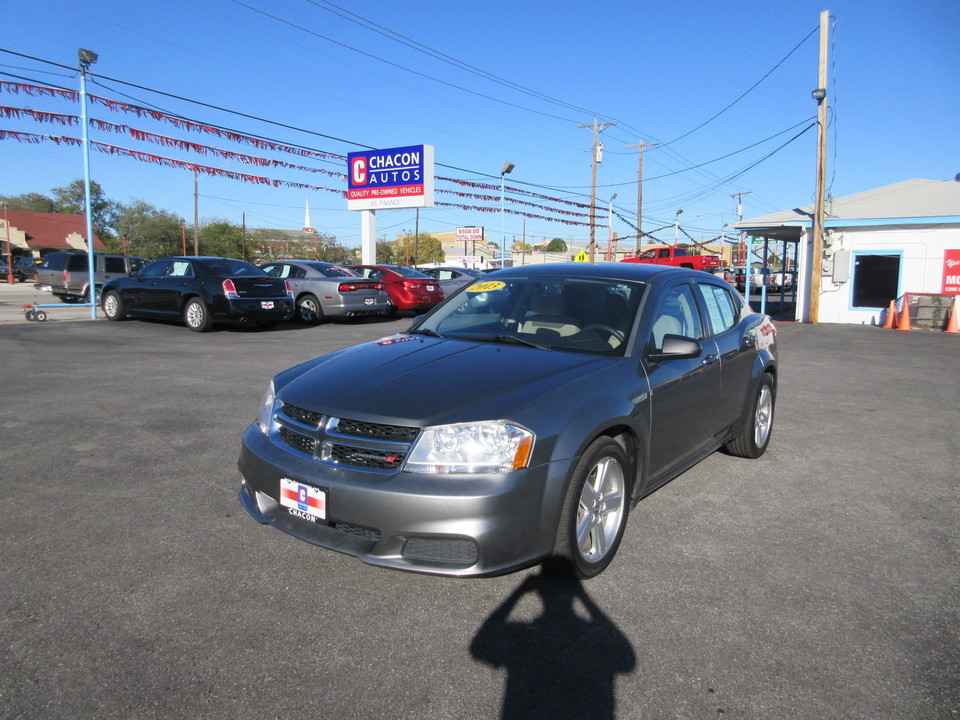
x: 221, y: 238
x: 557, y: 245
x: 72, y: 199
x: 421, y: 249
x: 147, y: 231
x: 31, y: 202
x: 389, y: 253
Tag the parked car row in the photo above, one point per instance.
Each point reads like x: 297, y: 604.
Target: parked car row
x: 201, y: 291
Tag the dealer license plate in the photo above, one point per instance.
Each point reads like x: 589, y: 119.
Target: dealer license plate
x: 266, y: 304
x: 302, y: 500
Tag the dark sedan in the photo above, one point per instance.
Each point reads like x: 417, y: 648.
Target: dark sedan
x: 200, y: 291
x: 408, y: 289
x: 517, y: 423
x: 322, y: 289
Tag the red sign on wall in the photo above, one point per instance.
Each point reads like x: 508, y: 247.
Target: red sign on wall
x: 951, y: 272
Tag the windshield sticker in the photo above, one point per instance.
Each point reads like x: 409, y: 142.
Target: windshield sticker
x: 487, y: 286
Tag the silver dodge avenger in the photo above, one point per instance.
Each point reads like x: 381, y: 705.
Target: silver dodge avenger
x: 516, y: 423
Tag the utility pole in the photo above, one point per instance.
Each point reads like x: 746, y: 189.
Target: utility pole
x: 820, y: 95
x: 641, y: 146
x: 597, y: 129
x: 742, y: 255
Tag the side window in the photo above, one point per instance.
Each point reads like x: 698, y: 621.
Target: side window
x: 298, y: 273
x: 114, y: 265
x: 720, y: 306
x: 663, y: 253
x: 272, y: 270
x: 677, y: 314
x: 155, y: 269
x: 75, y: 263
x: 180, y: 269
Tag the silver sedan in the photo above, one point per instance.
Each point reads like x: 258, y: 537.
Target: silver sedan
x: 322, y: 289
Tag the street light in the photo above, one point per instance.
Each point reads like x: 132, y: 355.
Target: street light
x: 610, y: 229
x: 676, y: 228
x: 87, y: 58
x: 507, y: 168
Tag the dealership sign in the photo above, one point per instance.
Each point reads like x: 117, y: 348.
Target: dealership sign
x: 951, y: 272
x: 390, y: 179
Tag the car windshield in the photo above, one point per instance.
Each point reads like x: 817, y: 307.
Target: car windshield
x: 589, y: 315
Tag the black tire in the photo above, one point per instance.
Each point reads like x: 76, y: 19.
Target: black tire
x: 309, y: 310
x: 196, y: 315
x: 755, y: 438
x: 112, y: 305
x: 595, y: 511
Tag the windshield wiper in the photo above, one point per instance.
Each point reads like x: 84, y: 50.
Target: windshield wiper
x: 514, y: 340
x: 425, y: 331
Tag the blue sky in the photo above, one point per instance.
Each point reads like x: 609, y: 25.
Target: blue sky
x: 539, y: 71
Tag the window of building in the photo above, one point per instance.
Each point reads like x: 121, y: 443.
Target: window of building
x: 876, y: 279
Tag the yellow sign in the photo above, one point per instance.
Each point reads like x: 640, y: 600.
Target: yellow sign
x: 581, y: 257
x: 486, y: 286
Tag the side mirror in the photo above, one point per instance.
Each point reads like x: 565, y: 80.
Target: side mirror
x: 675, y: 347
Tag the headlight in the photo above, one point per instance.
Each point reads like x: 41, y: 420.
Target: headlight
x: 265, y: 413
x: 487, y: 447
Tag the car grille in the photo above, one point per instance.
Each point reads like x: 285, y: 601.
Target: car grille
x: 307, y: 417
x: 340, y: 442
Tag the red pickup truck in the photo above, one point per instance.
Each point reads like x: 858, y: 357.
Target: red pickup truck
x: 676, y: 256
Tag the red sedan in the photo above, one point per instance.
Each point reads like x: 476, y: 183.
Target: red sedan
x: 408, y: 289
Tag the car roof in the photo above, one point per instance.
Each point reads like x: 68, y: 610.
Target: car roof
x: 639, y: 272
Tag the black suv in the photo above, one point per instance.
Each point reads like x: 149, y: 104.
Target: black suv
x: 67, y: 274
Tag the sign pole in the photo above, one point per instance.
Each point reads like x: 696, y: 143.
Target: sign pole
x: 368, y: 237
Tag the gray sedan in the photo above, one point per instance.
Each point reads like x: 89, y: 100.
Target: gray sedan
x: 516, y: 423
x: 322, y: 289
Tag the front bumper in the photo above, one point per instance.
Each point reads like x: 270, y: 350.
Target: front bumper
x: 440, y: 524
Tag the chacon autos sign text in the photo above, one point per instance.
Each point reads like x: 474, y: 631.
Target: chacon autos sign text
x: 392, y: 178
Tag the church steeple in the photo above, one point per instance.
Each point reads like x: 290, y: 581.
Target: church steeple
x: 307, y: 227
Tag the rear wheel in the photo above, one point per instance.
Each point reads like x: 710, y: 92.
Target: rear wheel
x: 595, y: 511
x: 113, y: 306
x: 309, y: 311
x: 753, y: 441
x: 196, y: 315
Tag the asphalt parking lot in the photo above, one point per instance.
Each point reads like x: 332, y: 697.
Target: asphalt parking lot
x: 821, y: 581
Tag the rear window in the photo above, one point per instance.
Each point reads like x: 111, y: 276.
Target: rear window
x: 233, y: 268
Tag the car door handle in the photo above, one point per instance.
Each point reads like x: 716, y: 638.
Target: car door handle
x: 709, y: 360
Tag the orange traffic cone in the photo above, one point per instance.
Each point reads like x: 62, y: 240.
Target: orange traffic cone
x: 891, y: 321
x: 904, y: 322
x: 952, y: 323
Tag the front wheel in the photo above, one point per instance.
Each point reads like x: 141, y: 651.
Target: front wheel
x: 196, y: 315
x: 755, y: 438
x: 113, y: 306
x: 595, y: 511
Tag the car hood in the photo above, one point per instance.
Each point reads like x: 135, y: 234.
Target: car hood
x: 418, y: 380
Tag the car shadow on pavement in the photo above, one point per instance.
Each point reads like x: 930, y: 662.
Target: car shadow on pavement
x: 561, y: 652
